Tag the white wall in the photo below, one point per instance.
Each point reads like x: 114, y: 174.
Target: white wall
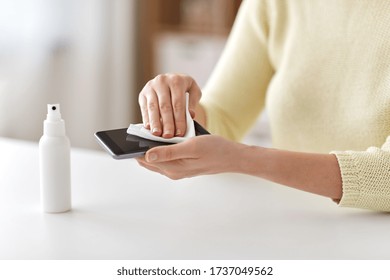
x: 76, y: 53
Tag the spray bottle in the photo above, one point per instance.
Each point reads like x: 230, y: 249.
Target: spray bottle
x: 54, y: 163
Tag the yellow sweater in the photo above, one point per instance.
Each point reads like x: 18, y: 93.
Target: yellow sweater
x: 322, y: 69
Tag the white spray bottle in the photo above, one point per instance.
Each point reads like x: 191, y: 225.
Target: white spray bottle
x: 54, y: 163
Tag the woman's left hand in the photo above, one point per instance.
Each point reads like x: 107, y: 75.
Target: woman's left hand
x: 200, y: 155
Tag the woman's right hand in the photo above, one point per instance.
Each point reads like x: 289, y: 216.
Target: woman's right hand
x: 163, y: 104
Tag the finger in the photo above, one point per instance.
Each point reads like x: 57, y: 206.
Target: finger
x: 154, y: 113
x: 144, y: 110
x: 195, y: 95
x: 167, y: 170
x: 145, y: 164
x: 165, y: 106
x: 179, y: 109
x: 169, y: 153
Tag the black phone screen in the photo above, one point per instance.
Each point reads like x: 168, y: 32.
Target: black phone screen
x: 122, y: 145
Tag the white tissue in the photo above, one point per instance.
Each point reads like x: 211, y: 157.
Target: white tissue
x: 140, y: 131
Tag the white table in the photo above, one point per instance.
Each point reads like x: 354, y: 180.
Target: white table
x: 122, y: 211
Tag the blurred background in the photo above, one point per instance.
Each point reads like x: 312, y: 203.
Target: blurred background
x: 94, y: 56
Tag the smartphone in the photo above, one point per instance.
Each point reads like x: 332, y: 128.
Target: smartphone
x: 121, y: 145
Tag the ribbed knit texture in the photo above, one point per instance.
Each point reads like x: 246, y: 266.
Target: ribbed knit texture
x: 366, y: 177
x: 322, y: 70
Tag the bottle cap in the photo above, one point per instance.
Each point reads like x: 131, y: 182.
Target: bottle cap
x: 53, y: 112
x: 54, y: 125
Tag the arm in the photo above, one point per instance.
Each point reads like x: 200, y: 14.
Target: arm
x: 315, y: 173
x: 360, y: 179
x: 310, y: 172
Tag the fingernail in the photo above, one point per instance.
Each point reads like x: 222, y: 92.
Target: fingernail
x: 152, y: 157
x: 155, y: 130
x: 178, y: 132
x: 167, y: 133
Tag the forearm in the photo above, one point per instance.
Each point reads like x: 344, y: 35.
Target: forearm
x: 315, y: 173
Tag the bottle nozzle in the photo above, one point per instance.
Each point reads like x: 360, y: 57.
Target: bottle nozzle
x: 53, y: 112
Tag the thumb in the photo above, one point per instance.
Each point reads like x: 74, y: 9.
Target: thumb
x: 168, y: 153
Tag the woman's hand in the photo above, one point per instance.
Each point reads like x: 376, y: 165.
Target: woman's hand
x: 199, y: 155
x: 163, y: 104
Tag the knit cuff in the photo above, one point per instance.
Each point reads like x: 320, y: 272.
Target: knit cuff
x: 350, y: 179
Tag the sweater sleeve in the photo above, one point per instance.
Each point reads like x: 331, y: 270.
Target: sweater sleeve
x: 366, y: 177
x: 235, y: 93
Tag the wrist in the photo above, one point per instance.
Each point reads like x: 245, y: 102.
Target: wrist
x: 250, y: 159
